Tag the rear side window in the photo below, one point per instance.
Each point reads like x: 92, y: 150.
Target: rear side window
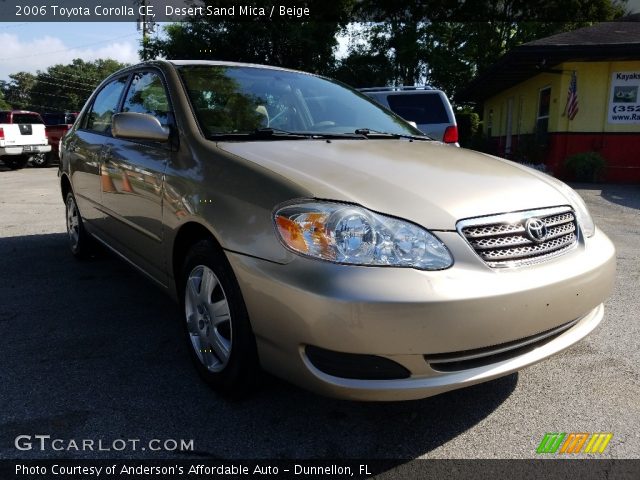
x: 26, y: 118
x: 420, y: 108
x: 104, y: 106
x: 147, y: 95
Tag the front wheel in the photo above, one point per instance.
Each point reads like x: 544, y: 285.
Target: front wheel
x: 217, y: 327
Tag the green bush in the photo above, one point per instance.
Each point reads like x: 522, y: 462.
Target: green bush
x: 586, y: 166
x: 468, y: 127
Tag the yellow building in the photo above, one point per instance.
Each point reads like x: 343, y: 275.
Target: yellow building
x: 533, y: 113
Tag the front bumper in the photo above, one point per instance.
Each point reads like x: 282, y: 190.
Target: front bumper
x: 408, y: 315
x: 20, y: 149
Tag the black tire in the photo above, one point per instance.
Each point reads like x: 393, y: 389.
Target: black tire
x: 41, y: 160
x: 15, y: 162
x: 237, y: 377
x: 80, y: 242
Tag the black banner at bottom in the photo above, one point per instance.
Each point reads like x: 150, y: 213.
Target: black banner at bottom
x: 586, y: 469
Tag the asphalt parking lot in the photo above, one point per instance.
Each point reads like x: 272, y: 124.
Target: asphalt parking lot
x: 92, y: 350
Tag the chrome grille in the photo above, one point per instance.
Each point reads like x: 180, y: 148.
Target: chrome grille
x: 503, y: 240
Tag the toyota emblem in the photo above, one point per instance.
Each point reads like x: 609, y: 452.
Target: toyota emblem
x: 536, y: 229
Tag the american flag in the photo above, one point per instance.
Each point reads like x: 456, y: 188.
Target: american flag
x: 571, y: 108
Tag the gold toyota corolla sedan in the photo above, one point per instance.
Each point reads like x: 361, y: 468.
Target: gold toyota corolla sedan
x: 308, y: 231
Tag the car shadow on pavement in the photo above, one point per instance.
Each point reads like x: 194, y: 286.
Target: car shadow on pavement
x: 625, y: 195
x: 4, y: 168
x: 93, y: 350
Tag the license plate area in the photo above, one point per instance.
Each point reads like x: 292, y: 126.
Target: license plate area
x: 27, y: 148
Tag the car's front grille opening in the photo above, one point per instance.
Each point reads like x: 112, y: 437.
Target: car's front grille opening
x: 355, y: 366
x: 481, y: 357
x: 522, y: 237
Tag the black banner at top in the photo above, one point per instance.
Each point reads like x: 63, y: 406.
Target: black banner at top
x: 343, y: 11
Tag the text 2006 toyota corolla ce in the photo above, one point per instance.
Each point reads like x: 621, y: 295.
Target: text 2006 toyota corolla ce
x: 308, y: 231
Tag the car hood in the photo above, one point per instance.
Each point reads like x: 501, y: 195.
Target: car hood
x: 429, y: 183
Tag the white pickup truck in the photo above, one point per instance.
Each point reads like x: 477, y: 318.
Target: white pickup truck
x: 22, y: 134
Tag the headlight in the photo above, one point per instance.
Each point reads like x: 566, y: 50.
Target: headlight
x: 353, y: 235
x: 582, y: 212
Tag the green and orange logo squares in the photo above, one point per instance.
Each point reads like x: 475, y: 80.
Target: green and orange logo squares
x: 574, y: 442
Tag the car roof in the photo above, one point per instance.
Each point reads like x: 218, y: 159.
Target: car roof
x: 179, y: 63
x: 164, y: 64
x: 403, y: 90
x: 18, y: 111
x: 398, y: 87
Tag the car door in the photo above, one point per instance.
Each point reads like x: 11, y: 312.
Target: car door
x: 85, y: 147
x: 133, y: 200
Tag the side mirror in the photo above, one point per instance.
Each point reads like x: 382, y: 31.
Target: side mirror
x: 412, y: 123
x: 138, y: 126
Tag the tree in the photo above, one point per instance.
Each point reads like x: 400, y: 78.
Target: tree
x: 363, y: 68
x: 67, y: 87
x: 397, y: 28
x: 3, y: 104
x: 460, y: 50
x: 446, y: 43
x: 59, y: 88
x: 17, y: 91
x: 304, y: 45
x: 441, y: 42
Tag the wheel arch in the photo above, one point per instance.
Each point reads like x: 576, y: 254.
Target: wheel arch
x: 188, y: 234
x: 65, y: 186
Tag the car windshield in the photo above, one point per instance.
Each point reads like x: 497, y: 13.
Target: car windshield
x: 242, y: 100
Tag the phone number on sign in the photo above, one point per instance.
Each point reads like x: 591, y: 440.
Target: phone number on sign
x: 626, y: 108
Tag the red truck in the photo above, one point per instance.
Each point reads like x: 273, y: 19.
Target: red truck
x: 56, y: 124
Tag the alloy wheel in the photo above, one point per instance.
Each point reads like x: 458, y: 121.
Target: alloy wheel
x: 208, y: 318
x: 73, y: 222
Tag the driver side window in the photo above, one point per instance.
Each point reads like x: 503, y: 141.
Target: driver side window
x: 148, y: 95
x: 104, y: 106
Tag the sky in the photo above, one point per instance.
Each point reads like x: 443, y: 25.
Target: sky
x: 30, y: 47
x: 36, y: 46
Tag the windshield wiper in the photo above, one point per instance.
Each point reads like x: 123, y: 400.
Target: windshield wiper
x: 259, y: 134
x: 270, y: 132
x: 369, y: 133
x: 323, y: 135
